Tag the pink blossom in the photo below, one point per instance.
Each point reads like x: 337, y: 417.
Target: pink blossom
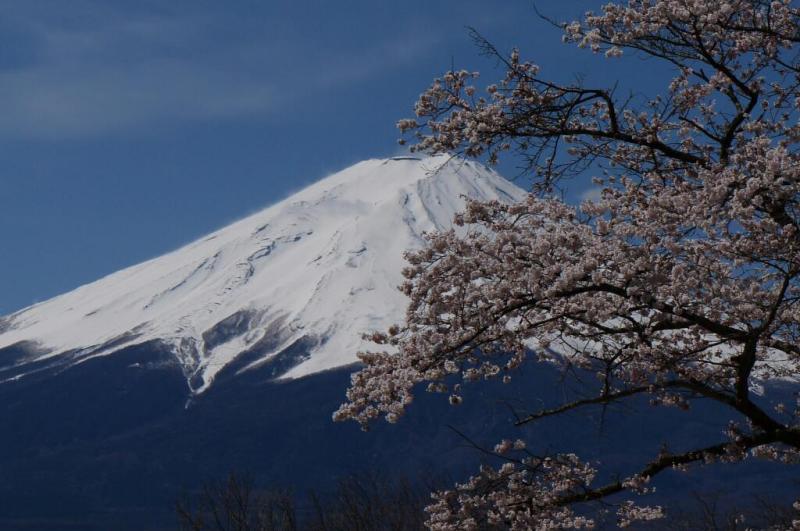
x: 681, y: 280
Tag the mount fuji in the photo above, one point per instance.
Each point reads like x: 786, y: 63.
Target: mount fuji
x: 228, y: 354
x: 293, y: 286
x: 232, y: 352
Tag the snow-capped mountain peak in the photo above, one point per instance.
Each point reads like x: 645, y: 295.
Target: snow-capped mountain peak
x: 307, y: 275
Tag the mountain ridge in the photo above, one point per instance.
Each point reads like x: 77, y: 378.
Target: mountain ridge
x: 318, y: 268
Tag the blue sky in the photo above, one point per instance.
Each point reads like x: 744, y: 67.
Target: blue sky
x: 130, y: 128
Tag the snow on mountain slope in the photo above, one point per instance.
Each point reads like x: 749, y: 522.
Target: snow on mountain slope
x: 318, y: 269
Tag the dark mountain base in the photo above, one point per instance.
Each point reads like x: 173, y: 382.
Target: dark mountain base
x: 112, y: 443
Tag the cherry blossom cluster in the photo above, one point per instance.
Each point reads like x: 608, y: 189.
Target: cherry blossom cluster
x: 738, y: 26
x: 517, y: 496
x: 630, y: 513
x: 529, y: 493
x: 681, y: 281
x: 735, y: 74
x: 655, y: 279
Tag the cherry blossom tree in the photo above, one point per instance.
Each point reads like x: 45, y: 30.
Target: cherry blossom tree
x: 680, y: 282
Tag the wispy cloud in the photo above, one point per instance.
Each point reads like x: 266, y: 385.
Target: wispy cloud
x: 593, y: 193
x: 53, y: 101
x: 123, y: 71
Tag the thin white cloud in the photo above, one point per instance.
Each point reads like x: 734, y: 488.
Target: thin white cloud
x: 123, y: 73
x: 591, y: 194
x: 52, y: 102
